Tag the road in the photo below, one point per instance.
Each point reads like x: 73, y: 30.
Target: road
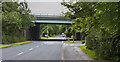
x: 33, y: 51
x: 43, y: 50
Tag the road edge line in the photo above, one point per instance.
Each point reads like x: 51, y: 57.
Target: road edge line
x: 62, y: 51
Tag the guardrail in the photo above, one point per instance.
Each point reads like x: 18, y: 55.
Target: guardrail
x: 46, y: 15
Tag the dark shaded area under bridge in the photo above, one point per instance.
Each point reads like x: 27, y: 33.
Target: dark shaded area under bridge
x: 34, y: 32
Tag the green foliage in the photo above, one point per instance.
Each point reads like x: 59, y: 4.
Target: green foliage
x: 52, y: 29
x: 89, y: 52
x: 99, y: 22
x: 0, y: 22
x: 70, y: 42
x: 83, y: 41
x: 12, y: 39
x: 44, y: 37
x: 15, y: 19
x: 69, y: 32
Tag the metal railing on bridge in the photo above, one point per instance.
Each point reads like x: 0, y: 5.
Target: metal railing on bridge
x: 48, y: 15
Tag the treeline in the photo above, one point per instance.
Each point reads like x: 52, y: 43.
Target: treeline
x: 99, y: 22
x: 15, y: 19
x: 53, y: 29
x: 0, y: 23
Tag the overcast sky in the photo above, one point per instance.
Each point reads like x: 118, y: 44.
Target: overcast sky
x: 49, y: 6
x: 54, y: 8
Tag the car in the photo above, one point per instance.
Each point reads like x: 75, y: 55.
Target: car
x: 63, y: 35
x: 46, y: 35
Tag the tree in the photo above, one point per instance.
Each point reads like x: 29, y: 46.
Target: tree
x: 15, y: 18
x: 99, y: 22
x: 53, y: 29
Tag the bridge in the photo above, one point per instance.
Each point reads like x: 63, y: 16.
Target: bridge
x: 51, y: 17
x: 34, y: 32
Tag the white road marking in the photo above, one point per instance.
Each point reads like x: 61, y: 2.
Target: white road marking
x: 62, y: 58
x: 62, y: 41
x: 20, y: 53
x: 62, y: 50
x: 37, y: 46
x: 31, y: 49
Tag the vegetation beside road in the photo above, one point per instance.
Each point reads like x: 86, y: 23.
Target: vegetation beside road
x: 54, y: 36
x: 83, y: 41
x: 44, y: 37
x: 70, y: 42
x: 67, y: 38
x: 20, y: 43
x: 89, y: 52
x: 99, y: 22
x: 53, y: 30
x: 16, y: 18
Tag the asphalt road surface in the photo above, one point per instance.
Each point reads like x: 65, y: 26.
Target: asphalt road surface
x: 43, y: 50
x: 40, y: 50
x: 33, y: 51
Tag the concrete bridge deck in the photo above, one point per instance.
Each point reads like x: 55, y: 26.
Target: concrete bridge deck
x: 34, y: 32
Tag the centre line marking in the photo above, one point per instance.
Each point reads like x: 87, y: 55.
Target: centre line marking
x: 20, y: 53
x: 31, y: 49
x: 62, y: 58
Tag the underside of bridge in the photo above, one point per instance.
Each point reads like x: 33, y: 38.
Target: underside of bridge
x: 34, y: 32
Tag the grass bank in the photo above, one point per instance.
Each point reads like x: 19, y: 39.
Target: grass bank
x: 67, y: 38
x: 20, y: 43
x: 44, y: 37
x: 55, y: 36
x: 89, y: 52
x: 83, y: 41
x: 69, y: 41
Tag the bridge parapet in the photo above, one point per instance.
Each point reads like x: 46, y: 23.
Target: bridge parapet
x: 51, y: 17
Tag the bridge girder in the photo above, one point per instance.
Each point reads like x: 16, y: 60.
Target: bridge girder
x: 52, y: 18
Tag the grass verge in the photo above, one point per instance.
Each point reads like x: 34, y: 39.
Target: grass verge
x: 89, y: 52
x: 20, y: 43
x: 54, y: 36
x: 44, y: 37
x: 69, y: 41
x: 83, y: 41
x: 67, y: 38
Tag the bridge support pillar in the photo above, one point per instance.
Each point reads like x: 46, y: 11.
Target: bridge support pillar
x: 33, y: 33
x: 77, y: 36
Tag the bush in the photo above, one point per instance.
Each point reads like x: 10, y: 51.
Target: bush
x: 83, y: 41
x: 105, y: 48
x: 89, y: 52
x: 70, y: 42
x: 108, y: 49
x: 6, y: 39
x: 91, y: 40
